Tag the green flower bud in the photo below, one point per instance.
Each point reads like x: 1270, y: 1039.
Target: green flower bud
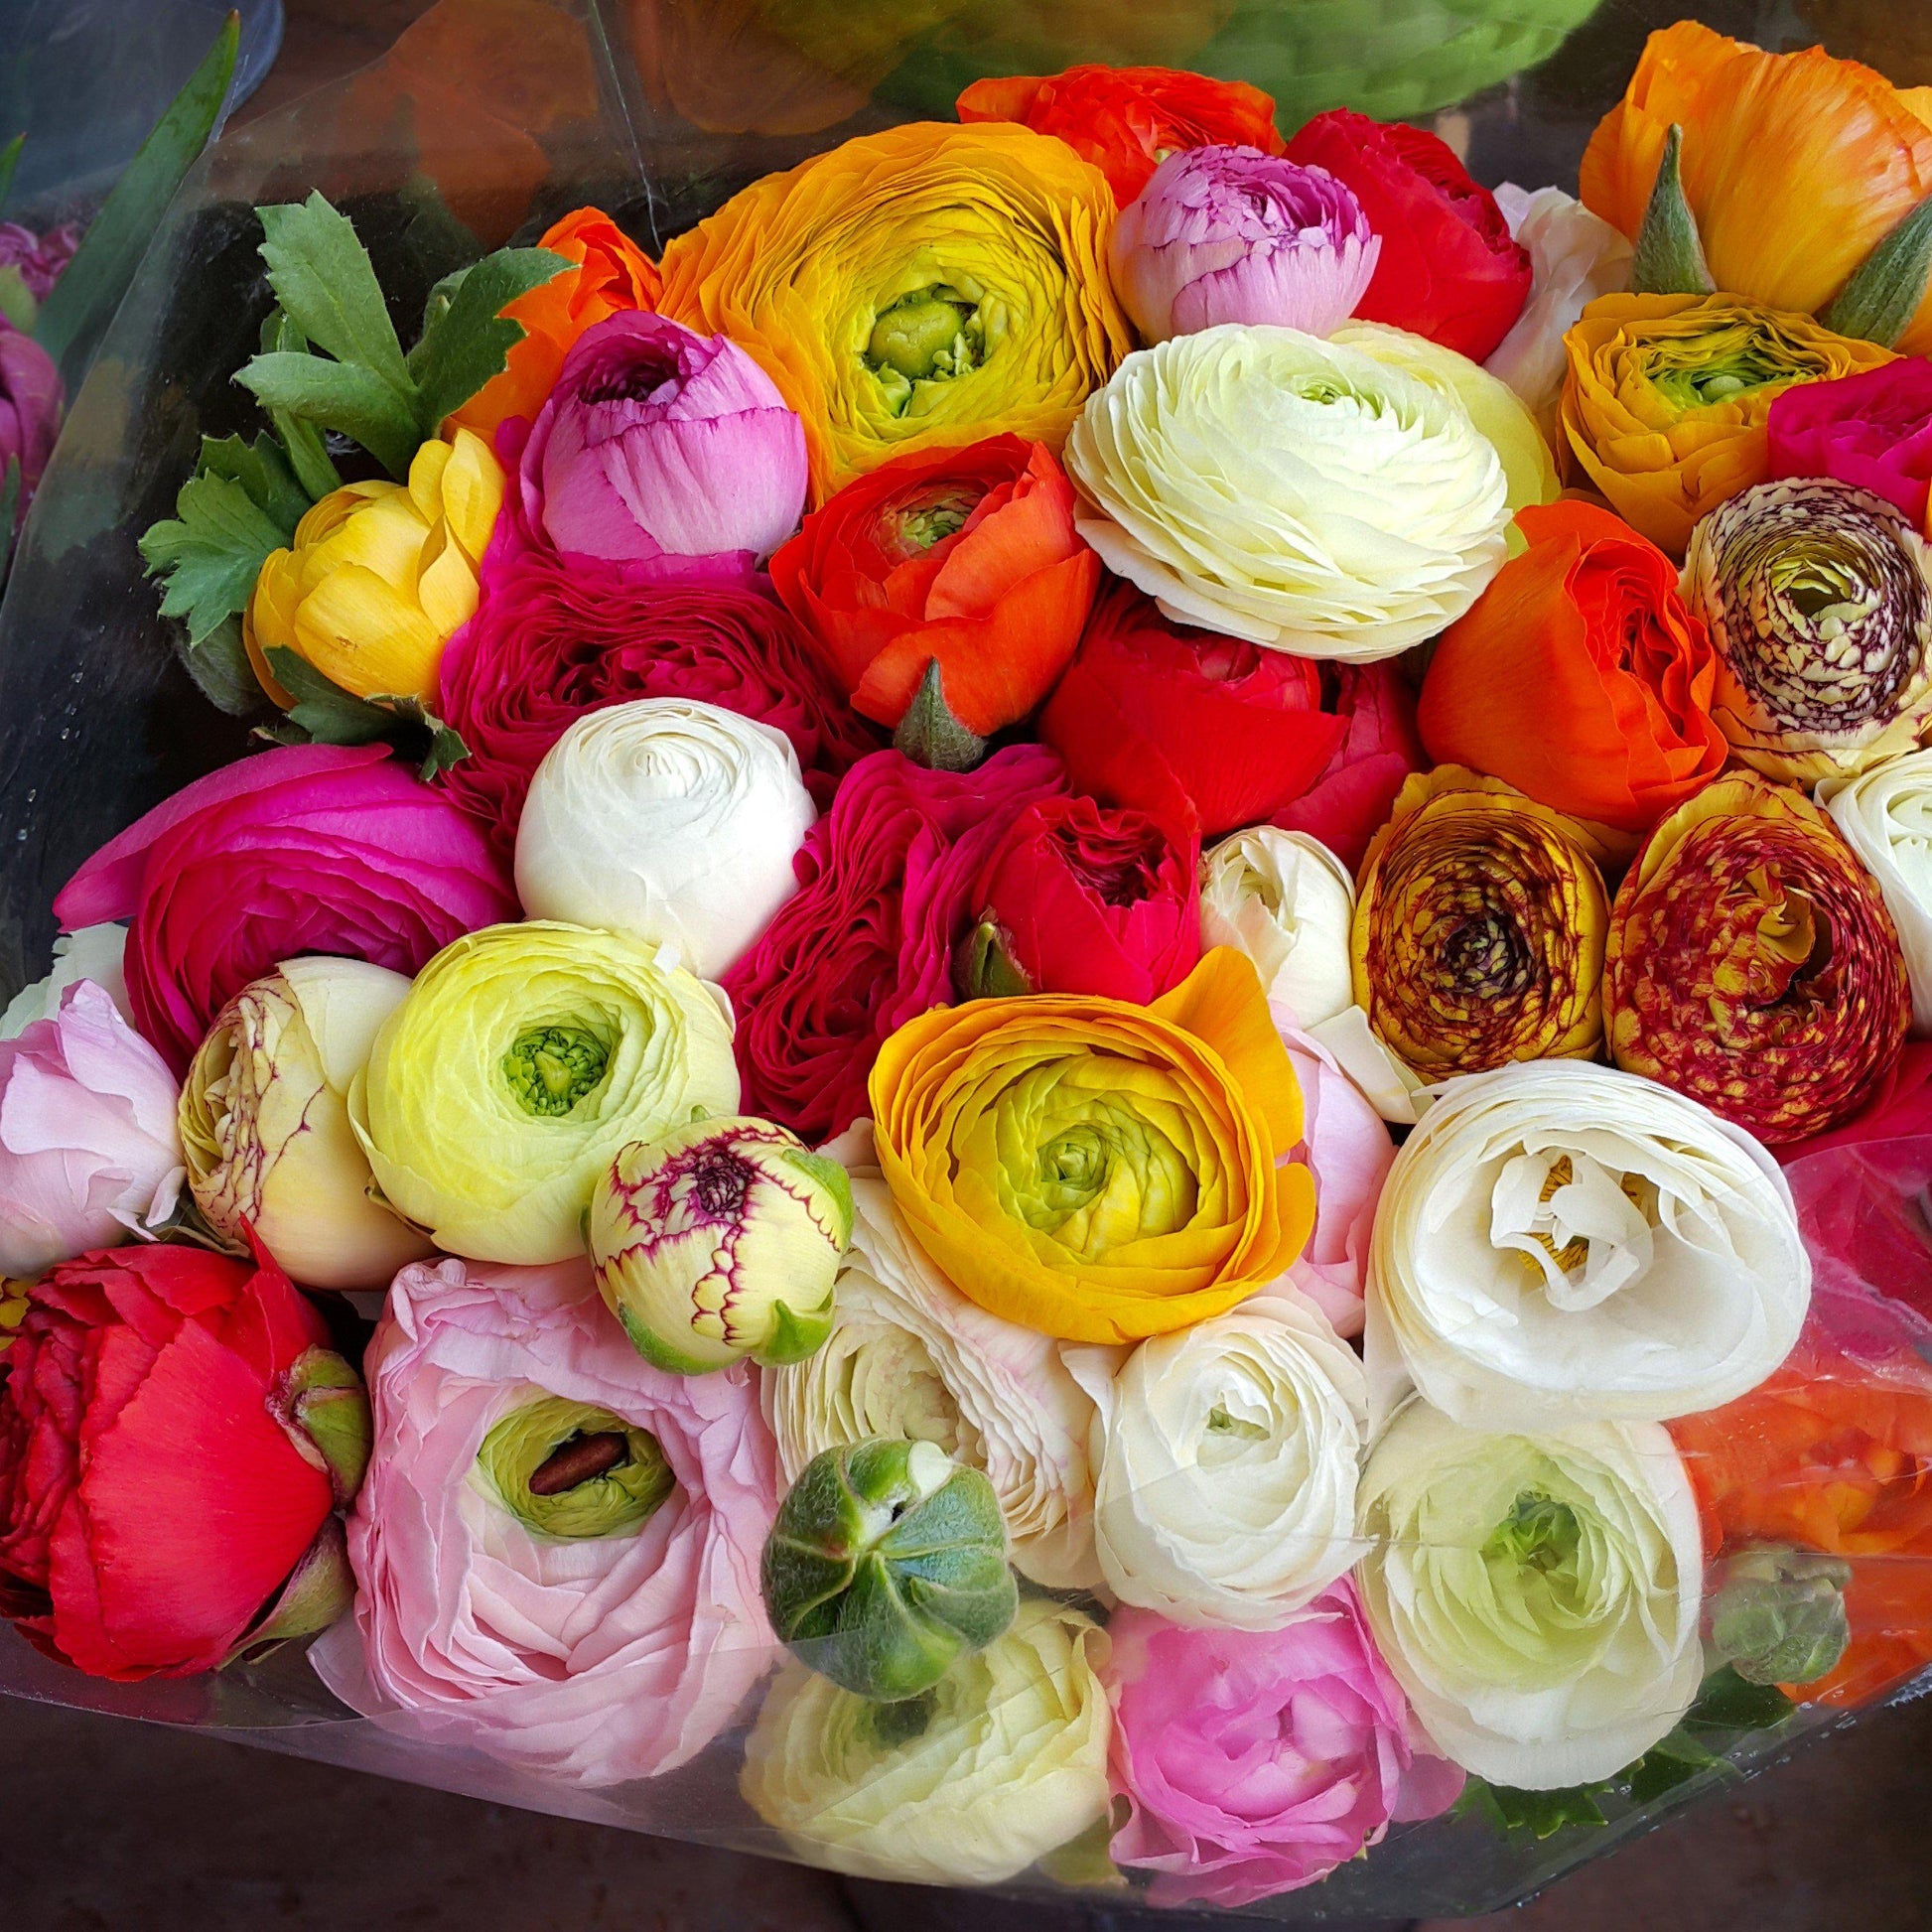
x: 571, y: 1470
x: 322, y: 1404
x: 887, y: 1564
x: 1778, y: 1615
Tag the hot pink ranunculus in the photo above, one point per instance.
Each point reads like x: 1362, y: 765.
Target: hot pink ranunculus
x: 595, y: 1659
x: 1872, y: 429
x: 1351, y: 799
x: 1255, y: 1762
x: 31, y: 399
x: 660, y: 444
x: 307, y: 849
x: 41, y: 258
x: 88, y: 1149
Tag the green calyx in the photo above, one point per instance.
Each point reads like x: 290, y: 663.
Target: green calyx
x: 1778, y: 1615
x: 574, y: 1471
x: 551, y: 1068
x: 929, y: 734
x: 1888, y: 287
x: 984, y: 967
x: 322, y: 1404
x: 319, y: 1588
x: 1670, y: 252
x: 930, y: 336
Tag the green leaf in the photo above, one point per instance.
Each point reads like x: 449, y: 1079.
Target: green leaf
x: 321, y: 708
x: 9, y: 161
x: 467, y: 340
x: 1540, y: 1813
x: 1664, y: 1766
x: 929, y: 733
x: 1726, y: 1702
x: 83, y: 302
x: 210, y: 552
x: 337, y: 395
x: 308, y: 454
x: 1670, y: 252
x: 18, y: 307
x: 1886, y: 288
x: 323, y: 279
x: 444, y: 745
x: 263, y: 471
x: 220, y: 666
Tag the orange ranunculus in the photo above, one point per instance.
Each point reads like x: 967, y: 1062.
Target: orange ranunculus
x: 1127, y: 120
x: 1795, y: 165
x: 613, y: 273
x: 1580, y: 676
x: 967, y: 557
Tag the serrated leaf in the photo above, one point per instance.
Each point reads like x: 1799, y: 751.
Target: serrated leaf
x: 469, y: 339
x: 339, y: 396
x: 321, y: 708
x: 210, y: 552
x: 1540, y: 1813
x: 323, y: 279
x: 1665, y: 1765
x: 220, y: 666
x: 262, y: 470
x: 308, y: 455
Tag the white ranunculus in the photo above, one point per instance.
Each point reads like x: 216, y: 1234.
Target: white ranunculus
x: 669, y: 821
x: 1304, y: 494
x: 1004, y: 1761
x: 1227, y: 1456
x: 909, y: 1355
x: 1536, y: 1596
x: 95, y: 952
x: 1560, y: 1242
x: 1389, y: 1086
x: 1885, y: 815
x: 1288, y: 903
x: 1576, y: 256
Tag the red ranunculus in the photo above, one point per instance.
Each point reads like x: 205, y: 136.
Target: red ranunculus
x: 964, y: 556
x: 1450, y: 268
x: 553, y: 641
x: 1351, y: 802
x: 151, y: 1502
x: 885, y: 893
x: 1078, y: 898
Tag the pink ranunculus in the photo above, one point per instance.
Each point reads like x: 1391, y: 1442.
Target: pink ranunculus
x: 305, y: 848
x: 31, y: 399
x: 658, y: 443
x: 1233, y: 234
x: 1349, y: 803
x: 596, y: 1658
x: 89, y: 1151
x: 41, y: 258
x: 1253, y: 1761
x: 1873, y: 430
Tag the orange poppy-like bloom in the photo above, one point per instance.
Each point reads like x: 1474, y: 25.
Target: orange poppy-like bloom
x: 1796, y: 166
x: 611, y: 273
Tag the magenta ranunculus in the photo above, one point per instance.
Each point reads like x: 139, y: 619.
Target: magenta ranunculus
x: 41, y: 258
x: 31, y: 399
x: 658, y: 443
x: 616, y: 1648
x: 1257, y: 1761
x: 1873, y: 430
x: 89, y: 1151
x: 1233, y: 234
x: 305, y: 848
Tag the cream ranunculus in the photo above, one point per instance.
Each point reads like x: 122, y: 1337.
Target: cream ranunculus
x: 668, y: 819
x: 1227, y: 1456
x: 1002, y: 1761
x: 1885, y: 815
x: 909, y: 1355
x: 1307, y: 496
x: 95, y: 952
x: 265, y: 1130
x: 1536, y: 1596
x: 1288, y: 903
x: 1559, y: 1242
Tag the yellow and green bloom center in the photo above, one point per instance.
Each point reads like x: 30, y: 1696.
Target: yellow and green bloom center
x: 929, y: 336
x: 550, y: 1069
x: 572, y: 1471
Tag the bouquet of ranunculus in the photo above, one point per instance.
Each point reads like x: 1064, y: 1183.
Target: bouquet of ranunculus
x: 1086, y: 1072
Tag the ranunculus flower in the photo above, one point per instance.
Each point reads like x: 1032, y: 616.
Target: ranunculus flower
x: 1233, y: 234
x: 1295, y: 493
x: 555, y: 639
x: 1819, y: 599
x: 164, y: 1461
x: 556, y: 1551
x: 912, y: 289
x: 612, y: 275
x: 1288, y: 903
x: 1449, y: 269
x: 963, y: 558
x: 884, y: 895
x: 1664, y: 405
x: 1379, y: 749
x: 380, y: 576
x: 668, y: 820
x: 909, y: 1355
x: 1795, y: 165
x: 1255, y: 1763
x: 1080, y: 899
x: 1224, y: 1465
x: 1885, y: 815
x: 1562, y: 1243
x: 305, y: 849
x: 1127, y: 120
x: 1872, y: 431
x: 1479, y: 931
x: 31, y: 400
x: 1004, y: 1761
x: 1536, y: 1596
x: 1580, y: 676
x: 521, y: 1060
x: 264, y: 1124
x: 40, y: 258
x: 1093, y: 1169
x: 1751, y: 962
x: 658, y: 446
x: 88, y: 1152
x: 97, y: 953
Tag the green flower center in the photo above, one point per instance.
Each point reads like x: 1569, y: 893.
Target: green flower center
x: 571, y: 1470
x: 1699, y: 385
x: 1538, y: 1534
x: 930, y: 336
x: 551, y: 1068
x: 1074, y: 1167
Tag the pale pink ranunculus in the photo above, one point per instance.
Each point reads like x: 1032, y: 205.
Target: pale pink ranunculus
x: 1256, y: 1761
x: 88, y: 1152
x: 660, y: 445
x: 594, y: 1661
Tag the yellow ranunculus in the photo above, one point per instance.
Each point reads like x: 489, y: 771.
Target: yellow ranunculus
x: 928, y: 285
x: 1664, y: 406
x: 1093, y: 1169
x: 381, y: 575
